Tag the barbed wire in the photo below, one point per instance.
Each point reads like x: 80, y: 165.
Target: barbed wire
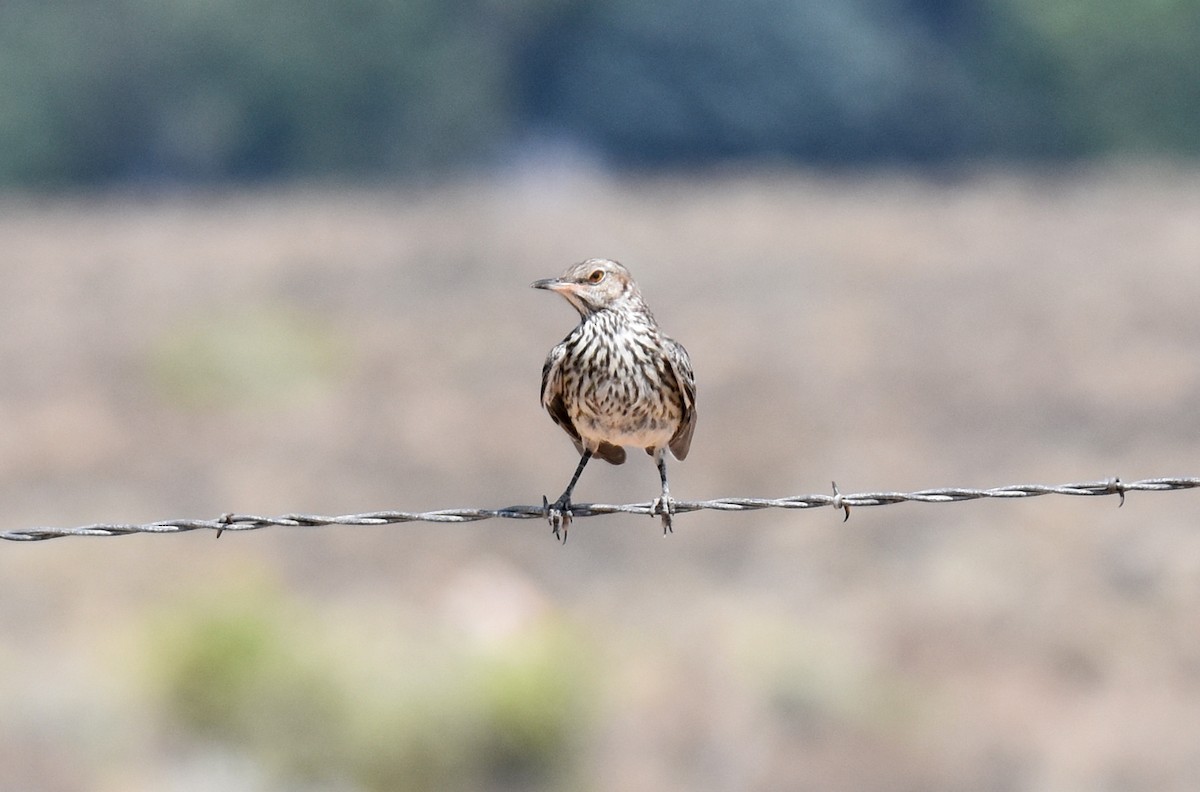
x: 248, y: 522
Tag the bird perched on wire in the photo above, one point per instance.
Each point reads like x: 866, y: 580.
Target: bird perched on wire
x: 616, y: 380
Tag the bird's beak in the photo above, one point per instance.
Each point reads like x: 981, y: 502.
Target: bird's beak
x: 553, y: 284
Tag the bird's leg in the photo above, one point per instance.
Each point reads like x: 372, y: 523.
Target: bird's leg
x: 663, y: 504
x: 559, y: 512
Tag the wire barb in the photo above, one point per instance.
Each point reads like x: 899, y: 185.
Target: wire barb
x: 840, y: 503
x: 248, y: 522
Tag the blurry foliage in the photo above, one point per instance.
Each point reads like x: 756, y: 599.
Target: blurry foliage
x: 248, y: 359
x: 144, y: 89
x: 322, y: 704
x: 691, y: 81
x: 1134, y: 65
x: 809, y: 679
x: 150, y: 90
x: 240, y: 675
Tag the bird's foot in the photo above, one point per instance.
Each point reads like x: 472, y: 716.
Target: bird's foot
x: 559, y: 516
x: 664, y: 505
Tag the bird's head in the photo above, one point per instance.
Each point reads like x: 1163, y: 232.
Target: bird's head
x: 594, y: 285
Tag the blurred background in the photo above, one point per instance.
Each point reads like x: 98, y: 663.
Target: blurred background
x: 269, y: 257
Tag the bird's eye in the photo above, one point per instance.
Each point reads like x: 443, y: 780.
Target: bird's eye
x: 596, y: 276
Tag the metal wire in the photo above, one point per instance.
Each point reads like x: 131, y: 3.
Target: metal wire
x: 248, y: 522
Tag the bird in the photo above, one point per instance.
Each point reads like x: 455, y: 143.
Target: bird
x: 616, y: 380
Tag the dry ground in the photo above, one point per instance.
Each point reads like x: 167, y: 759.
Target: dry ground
x: 342, y: 351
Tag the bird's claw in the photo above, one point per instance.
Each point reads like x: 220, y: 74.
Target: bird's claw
x: 559, y: 516
x: 664, y: 506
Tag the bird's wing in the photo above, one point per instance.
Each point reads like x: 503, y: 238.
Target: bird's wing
x: 681, y: 367
x: 552, y: 393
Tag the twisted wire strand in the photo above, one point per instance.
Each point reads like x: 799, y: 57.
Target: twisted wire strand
x: 249, y: 522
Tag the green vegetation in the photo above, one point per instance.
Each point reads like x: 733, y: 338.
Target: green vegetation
x: 251, y: 358
x: 138, y: 90
x: 306, y: 701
